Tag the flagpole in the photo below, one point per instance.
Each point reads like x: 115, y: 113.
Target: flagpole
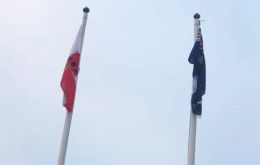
x: 68, y: 118
x: 193, y: 117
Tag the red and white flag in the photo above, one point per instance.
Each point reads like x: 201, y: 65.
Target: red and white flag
x: 69, y: 78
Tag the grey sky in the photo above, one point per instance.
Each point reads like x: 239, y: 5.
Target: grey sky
x: 132, y: 104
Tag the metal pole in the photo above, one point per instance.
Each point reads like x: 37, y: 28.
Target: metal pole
x: 68, y: 118
x: 65, y: 137
x: 193, y: 117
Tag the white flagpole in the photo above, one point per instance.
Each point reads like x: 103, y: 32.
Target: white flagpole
x: 193, y: 118
x: 68, y: 118
x: 65, y: 137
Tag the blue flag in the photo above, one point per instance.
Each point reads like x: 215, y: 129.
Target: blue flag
x: 199, y: 74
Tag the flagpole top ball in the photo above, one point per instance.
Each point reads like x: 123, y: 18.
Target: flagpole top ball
x: 196, y: 16
x: 86, y: 10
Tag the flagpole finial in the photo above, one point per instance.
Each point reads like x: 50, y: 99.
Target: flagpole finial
x: 86, y: 10
x: 196, y: 16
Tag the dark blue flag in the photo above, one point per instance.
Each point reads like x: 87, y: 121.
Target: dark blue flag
x: 199, y: 74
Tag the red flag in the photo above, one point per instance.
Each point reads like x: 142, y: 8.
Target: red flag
x: 69, y: 78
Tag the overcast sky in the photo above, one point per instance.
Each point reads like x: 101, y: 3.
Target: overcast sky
x: 133, y: 97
